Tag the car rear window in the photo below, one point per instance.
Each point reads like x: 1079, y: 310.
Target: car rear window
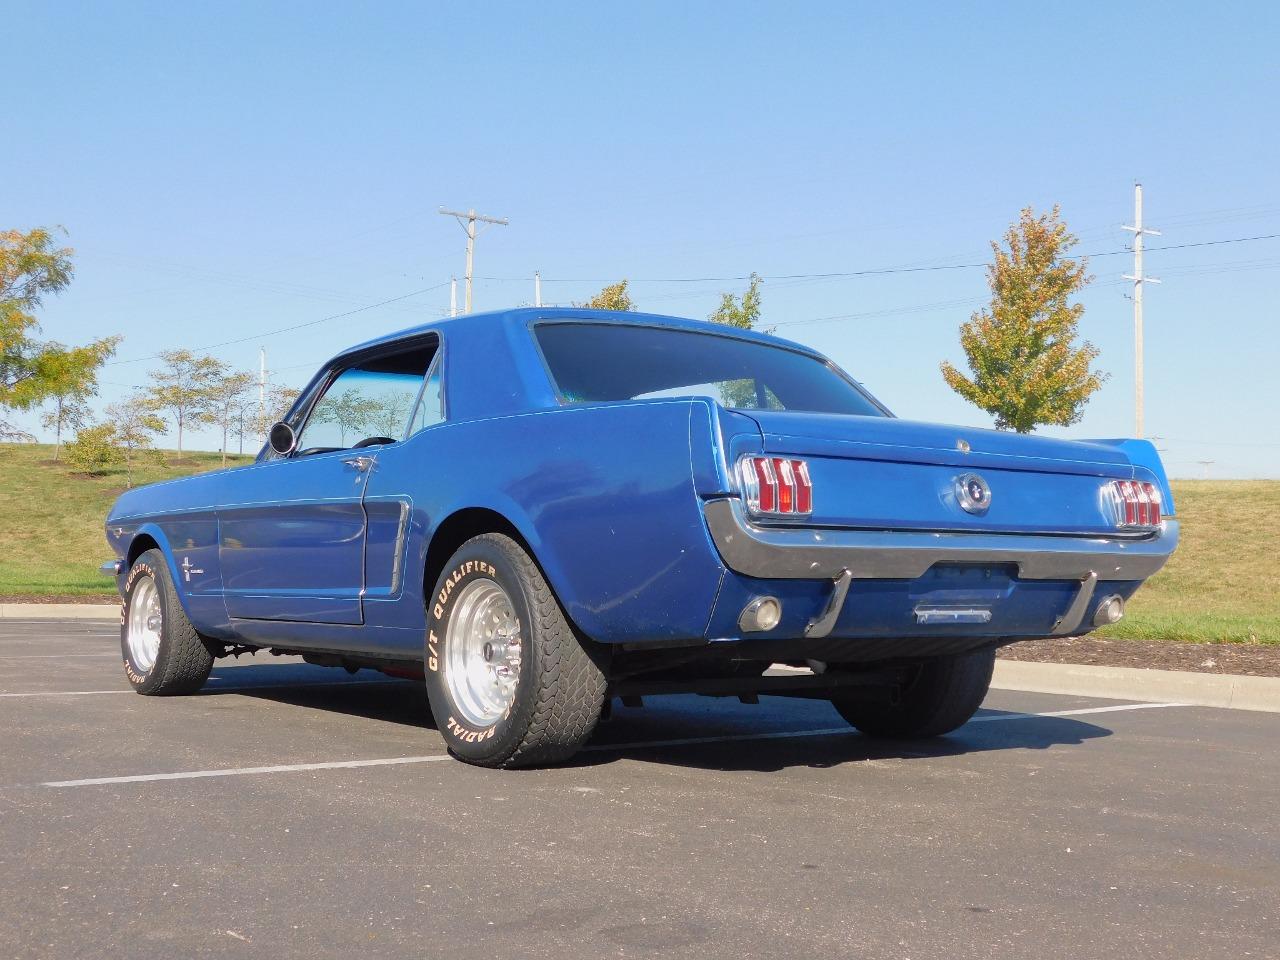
x: 591, y: 363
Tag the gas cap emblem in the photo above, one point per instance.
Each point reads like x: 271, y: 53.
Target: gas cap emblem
x: 973, y: 493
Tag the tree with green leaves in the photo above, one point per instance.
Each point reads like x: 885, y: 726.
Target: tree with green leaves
x: 227, y: 396
x: 244, y: 418
x: 135, y: 424
x: 741, y: 312
x: 351, y: 411
x: 33, y: 266
x: 66, y: 410
x: 94, y: 449
x: 744, y: 313
x: 1025, y: 367
x: 612, y: 297
x: 183, y: 389
x: 390, y: 413
x: 258, y: 420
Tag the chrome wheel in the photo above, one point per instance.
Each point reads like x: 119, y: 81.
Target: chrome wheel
x: 482, y: 653
x: 145, y: 622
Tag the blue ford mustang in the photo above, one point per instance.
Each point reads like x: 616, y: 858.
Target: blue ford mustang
x: 539, y: 510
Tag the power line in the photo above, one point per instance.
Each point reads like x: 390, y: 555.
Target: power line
x: 296, y: 326
x: 878, y: 271
x: 786, y: 276
x: 814, y: 276
x: 1205, y: 243
x: 1217, y: 443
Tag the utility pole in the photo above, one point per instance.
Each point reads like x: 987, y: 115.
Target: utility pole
x: 1138, y: 279
x: 262, y: 389
x: 537, y: 289
x: 471, y: 218
x: 453, y: 296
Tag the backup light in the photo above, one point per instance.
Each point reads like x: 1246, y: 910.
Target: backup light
x: 776, y: 486
x: 1135, y: 504
x: 760, y: 615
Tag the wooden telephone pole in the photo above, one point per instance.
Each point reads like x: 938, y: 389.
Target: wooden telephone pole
x: 468, y: 222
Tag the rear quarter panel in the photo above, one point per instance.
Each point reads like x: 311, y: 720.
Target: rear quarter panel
x: 604, y: 496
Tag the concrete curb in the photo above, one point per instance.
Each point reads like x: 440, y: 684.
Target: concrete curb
x: 1130, y: 683
x: 60, y: 611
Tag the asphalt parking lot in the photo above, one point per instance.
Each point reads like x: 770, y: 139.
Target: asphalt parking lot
x: 257, y: 819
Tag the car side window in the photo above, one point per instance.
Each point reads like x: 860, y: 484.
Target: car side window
x: 430, y: 409
x: 366, y: 405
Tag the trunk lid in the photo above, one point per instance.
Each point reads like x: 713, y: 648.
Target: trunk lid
x: 885, y: 473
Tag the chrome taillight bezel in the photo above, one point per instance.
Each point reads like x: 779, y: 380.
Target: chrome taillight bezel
x: 1134, y: 505
x: 775, y: 487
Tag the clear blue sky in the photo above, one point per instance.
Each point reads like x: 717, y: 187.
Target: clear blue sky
x: 227, y: 169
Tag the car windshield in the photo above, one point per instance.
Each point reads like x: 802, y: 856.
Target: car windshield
x: 591, y: 363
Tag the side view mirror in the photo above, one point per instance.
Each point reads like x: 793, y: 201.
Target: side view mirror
x: 282, y: 438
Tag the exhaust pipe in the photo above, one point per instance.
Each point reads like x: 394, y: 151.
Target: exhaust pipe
x: 1109, y: 611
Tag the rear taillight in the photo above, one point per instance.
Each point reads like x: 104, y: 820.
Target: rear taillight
x: 776, y: 486
x: 1135, y: 504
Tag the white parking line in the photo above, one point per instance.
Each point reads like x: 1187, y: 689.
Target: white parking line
x: 1117, y: 708
x: 64, y: 693
x: 243, y: 771
x: 220, y: 689
x: 54, y: 656
x: 634, y: 745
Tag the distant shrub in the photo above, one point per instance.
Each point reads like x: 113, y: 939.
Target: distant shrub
x: 94, y: 449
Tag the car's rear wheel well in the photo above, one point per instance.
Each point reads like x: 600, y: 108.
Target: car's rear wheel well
x: 456, y: 530
x: 140, y: 545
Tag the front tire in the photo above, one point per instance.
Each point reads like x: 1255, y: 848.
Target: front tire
x: 163, y: 654
x: 941, y: 695
x: 509, y: 681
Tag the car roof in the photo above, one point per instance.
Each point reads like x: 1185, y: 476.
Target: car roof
x: 523, y: 316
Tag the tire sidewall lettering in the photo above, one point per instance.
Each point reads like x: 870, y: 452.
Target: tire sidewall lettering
x: 457, y: 731
x: 453, y: 578
x: 468, y: 734
x: 139, y: 570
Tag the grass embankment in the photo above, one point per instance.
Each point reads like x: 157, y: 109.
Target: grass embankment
x: 51, y: 518
x: 1222, y: 585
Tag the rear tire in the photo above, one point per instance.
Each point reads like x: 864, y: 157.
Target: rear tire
x: 510, y: 682
x: 163, y: 654
x: 944, y: 694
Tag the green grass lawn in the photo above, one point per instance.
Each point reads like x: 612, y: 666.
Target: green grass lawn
x: 51, y: 519
x: 1223, y: 584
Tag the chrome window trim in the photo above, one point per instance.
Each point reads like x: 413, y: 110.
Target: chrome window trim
x: 300, y: 412
x: 437, y: 363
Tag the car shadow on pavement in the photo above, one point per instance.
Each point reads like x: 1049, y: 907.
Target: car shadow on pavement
x: 825, y: 741
x: 366, y: 694
x: 701, y: 732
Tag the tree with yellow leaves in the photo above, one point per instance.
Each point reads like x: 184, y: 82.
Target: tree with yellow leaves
x: 32, y: 265
x: 612, y: 297
x: 1025, y: 366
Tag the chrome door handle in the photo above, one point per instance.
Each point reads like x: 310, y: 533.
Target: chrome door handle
x: 360, y: 463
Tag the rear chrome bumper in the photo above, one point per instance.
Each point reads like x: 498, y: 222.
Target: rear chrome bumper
x: 812, y: 554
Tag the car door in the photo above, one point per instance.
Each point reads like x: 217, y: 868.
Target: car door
x: 293, y: 530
